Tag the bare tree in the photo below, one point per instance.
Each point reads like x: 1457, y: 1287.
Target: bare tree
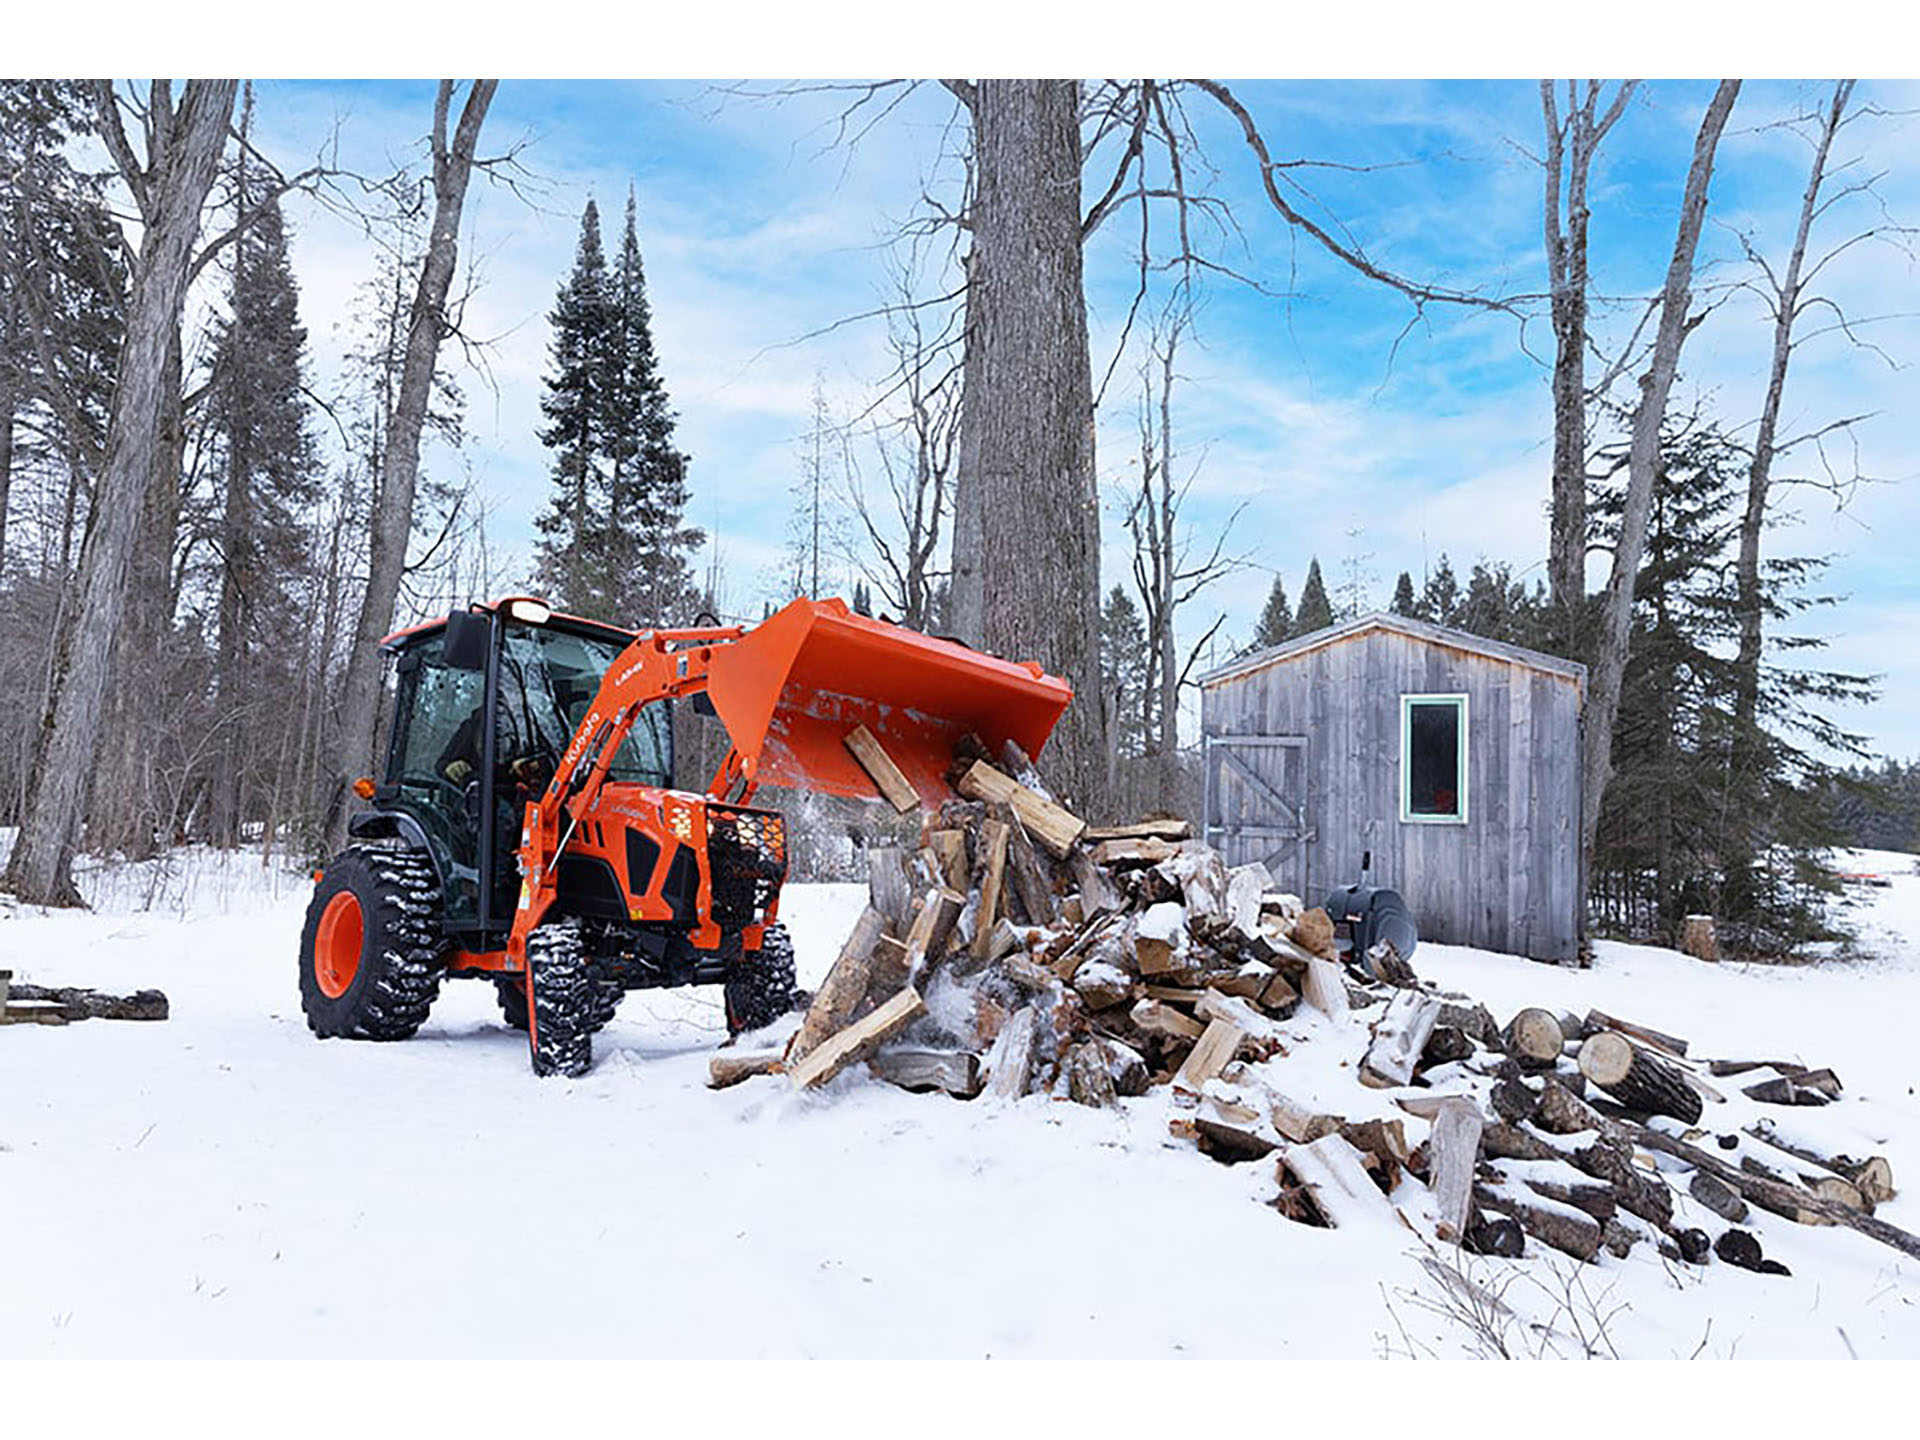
x: 392, y: 527
x: 1571, y: 141
x: 1030, y: 587
x: 1643, y: 455
x: 182, y: 145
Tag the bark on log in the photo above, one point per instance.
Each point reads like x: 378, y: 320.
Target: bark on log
x: 1873, y: 1176
x: 1637, y: 1079
x: 81, y: 1004
x: 1031, y: 884
x: 1598, y: 1020
x: 1090, y: 1076
x: 889, y: 890
x: 1573, y: 1232
x: 724, y: 1069
x: 1170, y: 830
x: 993, y: 869
x: 949, y: 849
x: 1719, y: 1197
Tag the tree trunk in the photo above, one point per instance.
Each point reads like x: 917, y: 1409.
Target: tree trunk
x: 400, y: 454
x: 1643, y: 456
x: 182, y: 158
x: 1748, y: 602
x: 1026, y: 581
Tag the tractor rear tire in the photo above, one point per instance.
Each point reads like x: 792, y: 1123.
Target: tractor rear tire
x: 763, y: 985
x: 560, y: 1039
x: 371, y: 952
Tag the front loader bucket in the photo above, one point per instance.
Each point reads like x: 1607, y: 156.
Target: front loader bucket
x: 792, y: 688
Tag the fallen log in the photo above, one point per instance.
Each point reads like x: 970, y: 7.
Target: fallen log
x: 1638, y: 1080
x: 1570, y: 1231
x: 74, y: 1003
x: 1872, y: 1176
x: 1646, y: 1035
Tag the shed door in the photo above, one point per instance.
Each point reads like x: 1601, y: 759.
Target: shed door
x: 1256, y: 788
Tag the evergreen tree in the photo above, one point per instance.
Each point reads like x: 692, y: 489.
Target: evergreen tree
x: 1315, y: 611
x: 862, y: 599
x: 1440, y: 600
x: 1403, y: 601
x: 577, y: 405
x: 1125, y: 672
x: 1276, y: 620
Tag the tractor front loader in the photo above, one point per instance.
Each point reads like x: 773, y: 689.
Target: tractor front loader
x: 526, y: 829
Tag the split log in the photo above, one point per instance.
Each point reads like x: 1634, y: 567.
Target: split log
x: 1032, y: 978
x: 1475, y: 1019
x: 1646, y: 1035
x: 1313, y: 933
x: 1018, y: 764
x: 1200, y: 876
x: 1160, y: 939
x: 1398, y: 1038
x: 932, y: 930
x: 1446, y: 1045
x: 1090, y: 1076
x: 957, y: 1072
x: 889, y: 890
x: 725, y: 1069
x: 1325, y: 989
x: 993, y: 867
x: 949, y: 849
x: 1245, y: 885
x: 1561, y: 1112
x: 1453, y: 1150
x: 1170, y: 829
x: 1213, y: 1005
x: 1637, y: 1079
x: 1127, y: 1066
x: 1101, y: 985
x: 1332, y: 1171
x: 1230, y: 1128
x: 1297, y: 1123
x: 1533, y: 1037
x: 1570, y: 1231
x: 1052, y: 826
x: 887, y: 777
x: 890, y: 971
x: 1031, y: 885
x: 1010, y: 1061
x: 858, y: 1040
x: 843, y: 989
x: 1097, y: 895
x: 1210, y: 1053
x: 1133, y: 854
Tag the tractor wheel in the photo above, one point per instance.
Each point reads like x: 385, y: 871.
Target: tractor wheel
x: 512, y: 990
x: 762, y: 988
x: 371, y: 950
x: 564, y: 1004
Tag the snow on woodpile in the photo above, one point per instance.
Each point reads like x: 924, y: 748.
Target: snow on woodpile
x: 1016, y: 951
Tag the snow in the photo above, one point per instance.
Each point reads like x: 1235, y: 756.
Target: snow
x: 224, y: 1185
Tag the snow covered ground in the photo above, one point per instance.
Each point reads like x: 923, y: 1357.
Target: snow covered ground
x: 223, y: 1185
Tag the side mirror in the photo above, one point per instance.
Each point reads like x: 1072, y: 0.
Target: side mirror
x: 464, y: 646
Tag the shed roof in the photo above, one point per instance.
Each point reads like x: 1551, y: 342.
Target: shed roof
x: 1440, y: 635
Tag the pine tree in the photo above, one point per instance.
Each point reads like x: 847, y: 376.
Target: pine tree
x: 1276, y: 620
x: 576, y: 405
x: 1315, y: 612
x: 1403, y: 601
x: 1440, y: 600
x: 1124, y: 671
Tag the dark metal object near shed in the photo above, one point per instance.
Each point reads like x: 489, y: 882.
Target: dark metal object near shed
x: 1454, y: 760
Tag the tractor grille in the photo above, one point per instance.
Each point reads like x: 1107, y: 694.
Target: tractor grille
x: 747, y: 857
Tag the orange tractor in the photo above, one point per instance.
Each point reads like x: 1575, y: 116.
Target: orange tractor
x: 527, y: 830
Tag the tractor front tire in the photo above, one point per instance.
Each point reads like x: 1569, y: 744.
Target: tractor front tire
x: 564, y: 1004
x: 763, y: 985
x: 371, y: 952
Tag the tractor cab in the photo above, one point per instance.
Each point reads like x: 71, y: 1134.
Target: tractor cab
x: 485, y: 703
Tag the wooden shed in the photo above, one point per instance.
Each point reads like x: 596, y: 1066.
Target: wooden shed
x: 1454, y: 760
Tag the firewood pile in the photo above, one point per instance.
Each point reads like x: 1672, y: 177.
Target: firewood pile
x: 1018, y: 951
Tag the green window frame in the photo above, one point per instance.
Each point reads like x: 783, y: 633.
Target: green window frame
x: 1430, y: 725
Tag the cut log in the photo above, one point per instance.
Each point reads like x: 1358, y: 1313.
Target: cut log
x: 32, y: 1012
x: 1010, y: 1061
x: 1133, y: 854
x: 1032, y: 978
x: 1697, y: 938
x: 1210, y: 1054
x: 73, y: 1004
x: 1230, y: 1127
x: 887, y: 777
x: 1169, y: 829
x: 993, y: 869
x: 957, y: 1072
x: 1398, y: 1038
x: 890, y: 970
x: 1245, y: 885
x: 1570, y: 1231
x: 1533, y: 1037
x: 1325, y: 988
x: 857, y: 1041
x: 1513, y: 1100
x: 1561, y: 1112
x: 1453, y: 1151
x: 1562, y: 1183
x: 932, y: 930
x: 843, y: 989
x: 1718, y: 1196
x: 1607, y: 1157
x: 1100, y: 985
x: 1637, y: 1079
x: 1873, y: 1176
x: 1297, y: 1123
x: 1017, y: 763
x: 1646, y: 1035
x: 1213, y: 1005
x: 725, y: 1069
x: 1313, y: 933
x: 1156, y: 1017
x: 1097, y: 895
x: 1052, y: 826
x: 1128, y: 1067
x: 889, y: 890
x: 1332, y: 1170
x: 1445, y: 1046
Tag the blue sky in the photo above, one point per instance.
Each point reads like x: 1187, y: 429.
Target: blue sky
x: 1321, y: 413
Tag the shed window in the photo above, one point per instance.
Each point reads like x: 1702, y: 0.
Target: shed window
x: 1433, y: 758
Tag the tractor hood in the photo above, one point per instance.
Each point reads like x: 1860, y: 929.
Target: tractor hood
x: 791, y: 689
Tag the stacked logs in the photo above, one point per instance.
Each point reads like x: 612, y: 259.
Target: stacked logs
x: 1017, y: 951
